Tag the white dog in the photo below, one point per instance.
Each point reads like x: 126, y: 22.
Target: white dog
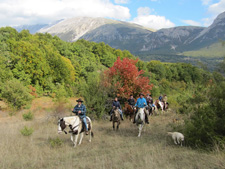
x: 177, y: 137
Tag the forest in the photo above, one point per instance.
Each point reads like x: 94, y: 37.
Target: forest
x: 38, y: 65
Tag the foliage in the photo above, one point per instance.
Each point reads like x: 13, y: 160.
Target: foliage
x: 97, y: 98
x: 28, y: 116
x: 15, y: 93
x: 206, y: 124
x: 26, y: 131
x: 55, y: 142
x: 126, y: 78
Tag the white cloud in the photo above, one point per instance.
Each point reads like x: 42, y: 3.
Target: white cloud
x: 20, y: 12
x: 206, y: 2
x: 214, y: 9
x: 121, y: 1
x: 151, y: 21
x: 191, y: 22
x: 217, y: 8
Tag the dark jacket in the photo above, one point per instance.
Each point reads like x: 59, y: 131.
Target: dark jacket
x: 116, y: 104
x: 82, y: 108
x: 131, y: 102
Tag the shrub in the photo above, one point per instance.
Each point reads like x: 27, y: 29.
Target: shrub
x: 28, y: 116
x: 55, y: 142
x: 16, y: 94
x: 26, y: 131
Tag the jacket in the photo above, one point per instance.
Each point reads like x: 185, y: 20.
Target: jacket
x: 141, y: 102
x: 116, y: 104
x: 131, y: 102
x: 82, y: 108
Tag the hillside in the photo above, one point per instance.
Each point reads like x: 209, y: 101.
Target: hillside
x: 45, y: 148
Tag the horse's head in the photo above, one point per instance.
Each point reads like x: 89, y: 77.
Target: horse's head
x: 116, y: 112
x: 61, y: 125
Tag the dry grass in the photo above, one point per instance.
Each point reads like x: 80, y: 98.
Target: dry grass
x: 108, y: 149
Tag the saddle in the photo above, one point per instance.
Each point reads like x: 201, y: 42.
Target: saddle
x: 83, y: 127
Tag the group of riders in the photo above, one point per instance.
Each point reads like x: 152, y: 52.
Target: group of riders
x: 141, y: 103
x: 80, y: 108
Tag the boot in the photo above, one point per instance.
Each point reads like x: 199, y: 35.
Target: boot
x: 121, y: 116
x: 110, y: 118
x: 86, y: 132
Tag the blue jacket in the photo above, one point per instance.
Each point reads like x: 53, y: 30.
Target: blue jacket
x: 141, y: 102
x: 116, y: 104
x: 82, y: 108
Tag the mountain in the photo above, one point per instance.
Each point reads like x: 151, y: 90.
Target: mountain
x: 184, y: 40
x: 32, y: 28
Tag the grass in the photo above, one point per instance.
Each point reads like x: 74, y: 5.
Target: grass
x: 108, y: 149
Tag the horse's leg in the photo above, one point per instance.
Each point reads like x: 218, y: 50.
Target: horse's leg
x: 75, y: 141
x: 118, y: 123
x: 81, y: 137
x: 140, y: 128
x: 71, y: 137
x: 90, y: 136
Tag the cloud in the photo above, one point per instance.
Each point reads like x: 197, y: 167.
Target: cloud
x: 214, y: 9
x: 20, y: 12
x: 151, y: 21
x: 191, y: 22
x: 206, y: 2
x: 217, y: 8
x: 121, y: 1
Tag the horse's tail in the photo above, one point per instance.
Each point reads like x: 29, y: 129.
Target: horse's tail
x: 92, y: 134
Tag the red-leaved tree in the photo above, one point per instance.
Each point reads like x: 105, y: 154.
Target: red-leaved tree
x: 126, y: 79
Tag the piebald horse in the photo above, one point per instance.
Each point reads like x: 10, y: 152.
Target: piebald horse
x: 160, y: 105
x: 140, y: 119
x: 76, y: 128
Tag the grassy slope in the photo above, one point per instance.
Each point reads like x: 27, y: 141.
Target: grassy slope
x: 109, y: 149
x: 213, y: 51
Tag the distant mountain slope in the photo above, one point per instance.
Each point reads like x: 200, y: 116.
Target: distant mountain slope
x: 138, y: 39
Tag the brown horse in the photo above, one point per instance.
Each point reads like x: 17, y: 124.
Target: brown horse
x: 116, y: 118
x: 129, y: 111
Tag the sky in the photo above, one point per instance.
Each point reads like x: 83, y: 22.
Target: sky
x: 155, y: 14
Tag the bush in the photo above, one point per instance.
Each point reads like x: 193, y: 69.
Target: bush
x: 26, y: 131
x: 206, y: 124
x: 55, y: 142
x: 28, y: 116
x: 16, y: 94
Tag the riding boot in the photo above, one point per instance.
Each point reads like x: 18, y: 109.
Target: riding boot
x: 146, y: 119
x: 121, y: 116
x: 110, y: 118
x: 134, y: 121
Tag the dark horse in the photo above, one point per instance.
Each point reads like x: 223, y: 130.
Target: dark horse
x: 116, y: 118
x: 129, y: 111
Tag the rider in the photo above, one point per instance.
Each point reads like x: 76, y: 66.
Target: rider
x: 160, y: 97
x: 149, y: 99
x: 141, y: 103
x: 164, y: 100
x: 80, y: 110
x: 115, y: 105
x: 131, y: 101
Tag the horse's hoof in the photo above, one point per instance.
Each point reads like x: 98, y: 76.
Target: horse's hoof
x: 90, y: 141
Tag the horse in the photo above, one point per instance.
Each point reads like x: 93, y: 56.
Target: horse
x: 116, y: 118
x: 129, y: 111
x: 76, y: 128
x: 140, y: 119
